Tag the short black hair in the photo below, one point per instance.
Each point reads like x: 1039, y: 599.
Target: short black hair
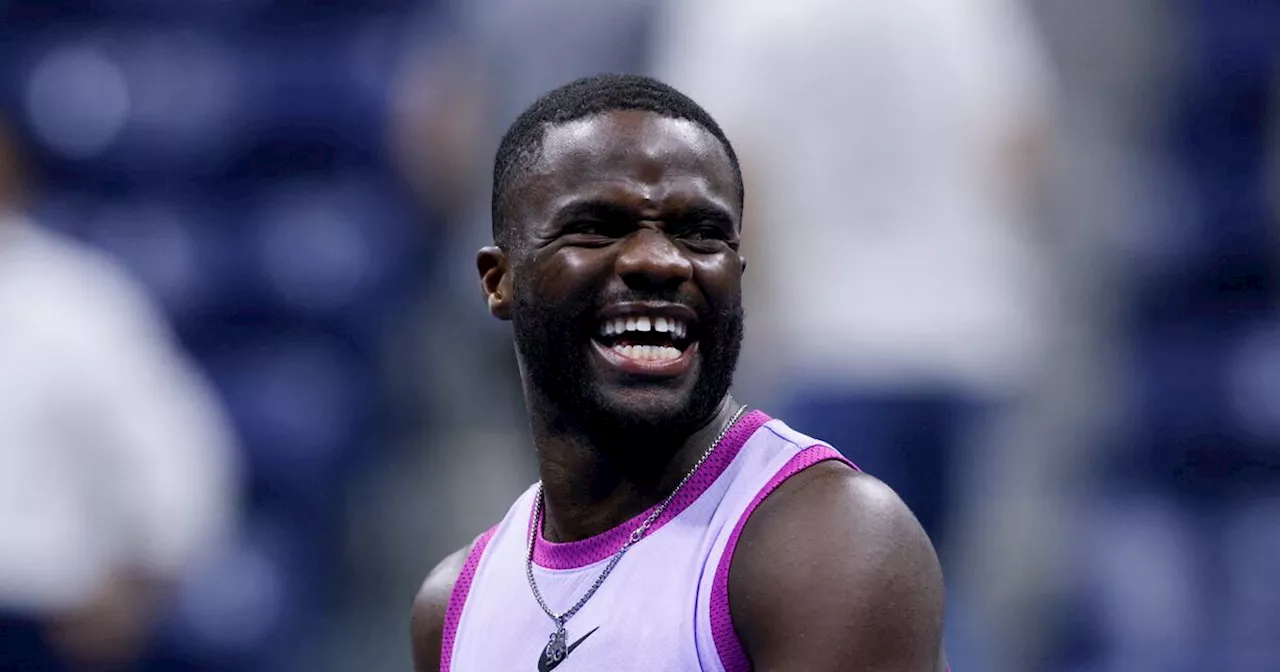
x: 586, y: 97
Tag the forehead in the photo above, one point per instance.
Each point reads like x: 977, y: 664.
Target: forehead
x: 632, y: 154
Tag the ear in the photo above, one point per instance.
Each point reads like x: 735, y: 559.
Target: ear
x: 495, y: 280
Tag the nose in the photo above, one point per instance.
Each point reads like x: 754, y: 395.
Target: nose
x: 649, y: 260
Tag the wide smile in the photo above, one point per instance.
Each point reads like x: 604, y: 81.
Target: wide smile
x: 647, y: 339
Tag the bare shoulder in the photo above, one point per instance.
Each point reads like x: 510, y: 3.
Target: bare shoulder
x: 429, y: 608
x: 833, y: 572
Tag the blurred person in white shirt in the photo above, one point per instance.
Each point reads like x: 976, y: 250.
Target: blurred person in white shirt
x: 117, y: 467
x: 892, y: 145
x: 902, y: 296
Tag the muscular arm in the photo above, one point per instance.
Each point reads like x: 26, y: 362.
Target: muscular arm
x: 832, y: 572
x: 429, y: 607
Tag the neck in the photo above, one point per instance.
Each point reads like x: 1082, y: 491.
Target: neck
x: 590, y: 488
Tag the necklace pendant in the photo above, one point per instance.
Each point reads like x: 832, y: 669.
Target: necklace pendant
x: 557, y: 647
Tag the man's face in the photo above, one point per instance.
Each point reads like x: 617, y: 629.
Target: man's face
x: 627, y: 284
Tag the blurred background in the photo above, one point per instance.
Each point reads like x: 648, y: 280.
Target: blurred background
x: 1018, y: 259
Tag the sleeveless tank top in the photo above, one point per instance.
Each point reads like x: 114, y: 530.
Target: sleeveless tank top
x: 666, y: 604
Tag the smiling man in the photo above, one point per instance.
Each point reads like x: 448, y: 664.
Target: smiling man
x: 673, y: 528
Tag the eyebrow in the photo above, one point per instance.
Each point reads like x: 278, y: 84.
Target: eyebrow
x: 706, y: 213
x: 609, y: 211
x: 593, y: 209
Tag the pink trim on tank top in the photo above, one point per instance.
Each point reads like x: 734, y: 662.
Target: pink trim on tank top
x: 458, y: 598
x: 575, y: 554
x: 732, y: 655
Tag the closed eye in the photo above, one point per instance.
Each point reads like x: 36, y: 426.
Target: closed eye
x: 707, y: 238
x: 705, y: 233
x: 597, y: 230
x: 595, y: 218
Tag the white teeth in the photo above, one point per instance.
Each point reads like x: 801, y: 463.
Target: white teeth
x: 643, y: 323
x: 659, y: 353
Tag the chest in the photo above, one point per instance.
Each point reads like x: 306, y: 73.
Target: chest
x: 644, y: 616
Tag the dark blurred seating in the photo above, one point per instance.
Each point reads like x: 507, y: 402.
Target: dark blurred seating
x: 230, y: 152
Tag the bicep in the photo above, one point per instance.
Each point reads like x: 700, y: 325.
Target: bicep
x: 430, y: 605
x: 834, y: 574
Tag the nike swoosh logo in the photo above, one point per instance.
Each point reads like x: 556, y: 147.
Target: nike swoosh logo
x: 545, y: 665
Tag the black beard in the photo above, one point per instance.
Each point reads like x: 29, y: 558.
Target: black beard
x: 553, y: 350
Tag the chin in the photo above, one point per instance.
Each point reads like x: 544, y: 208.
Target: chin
x: 648, y: 412
x: 615, y: 393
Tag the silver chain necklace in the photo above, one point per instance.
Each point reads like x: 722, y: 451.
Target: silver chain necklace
x: 557, y: 647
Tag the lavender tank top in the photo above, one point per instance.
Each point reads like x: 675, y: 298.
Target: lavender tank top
x: 666, y: 604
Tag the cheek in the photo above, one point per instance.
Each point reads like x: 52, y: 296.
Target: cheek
x: 720, y: 276
x: 564, y: 273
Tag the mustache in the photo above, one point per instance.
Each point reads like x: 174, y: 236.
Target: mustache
x: 588, y: 304
x: 675, y: 297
